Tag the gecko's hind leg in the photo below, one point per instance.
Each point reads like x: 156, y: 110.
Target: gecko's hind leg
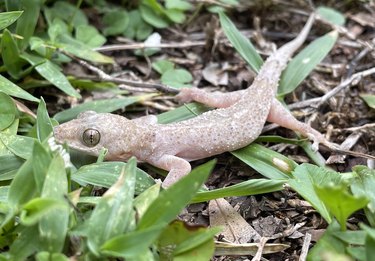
x: 281, y: 116
x: 176, y: 166
x: 212, y: 99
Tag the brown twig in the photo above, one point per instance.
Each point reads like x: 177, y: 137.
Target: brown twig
x: 305, y: 247
x: 317, y: 102
x: 106, y: 77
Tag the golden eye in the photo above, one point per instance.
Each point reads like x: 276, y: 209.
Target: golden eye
x: 91, y: 137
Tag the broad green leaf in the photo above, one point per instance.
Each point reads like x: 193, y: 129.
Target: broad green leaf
x: 154, y: 5
x: 4, y: 190
x: 162, y: 66
x: 351, y: 237
x: 242, y: 45
x: 81, y: 50
x: 23, y: 186
x: 115, y: 22
x: 369, y: 99
x: 177, y: 78
x: 26, y: 243
x: 328, y: 245
x: 10, y: 130
x: 246, y: 188
x: 149, y: 15
x: 10, y: 55
x: 172, y: 200
x: 114, y: 212
x: 90, y: 36
x: 52, y: 73
x: 179, y: 241
x: 67, y: 12
x: 370, y: 248
x: 363, y: 185
x: 175, y: 15
x: 303, y: 64
x: 137, y: 27
x: 105, y: 174
x: 131, y: 244
x: 57, y: 27
x: 182, y: 113
x: 8, y: 111
x: 34, y: 210
x: 178, y: 4
x: 339, y: 202
x: 267, y: 162
x: 9, y: 164
x: 27, y: 22
x: 21, y: 146
x: 11, y: 89
x: 106, y: 105
x: 8, y: 18
x: 306, y: 177
x: 331, y: 15
x: 43, y: 122
x: 46, y: 256
x: 143, y: 201
x: 42, y: 160
x: 54, y: 224
x: 369, y: 241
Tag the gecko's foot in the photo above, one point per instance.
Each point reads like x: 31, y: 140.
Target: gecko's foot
x: 317, y: 139
x: 187, y: 94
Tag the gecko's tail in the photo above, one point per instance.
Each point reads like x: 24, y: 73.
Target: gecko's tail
x: 284, y: 53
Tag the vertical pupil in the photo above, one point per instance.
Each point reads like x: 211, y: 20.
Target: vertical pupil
x: 91, y: 137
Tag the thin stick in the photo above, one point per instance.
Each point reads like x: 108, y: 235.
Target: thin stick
x: 305, y: 247
x: 106, y: 77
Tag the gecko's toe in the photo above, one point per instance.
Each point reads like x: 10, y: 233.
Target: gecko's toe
x: 315, y: 140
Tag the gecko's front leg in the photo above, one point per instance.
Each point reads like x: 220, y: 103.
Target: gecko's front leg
x: 176, y: 166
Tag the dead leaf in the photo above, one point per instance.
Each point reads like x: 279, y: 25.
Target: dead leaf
x: 236, y: 229
x: 215, y: 74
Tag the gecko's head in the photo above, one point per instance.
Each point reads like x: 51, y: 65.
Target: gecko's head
x: 91, y: 132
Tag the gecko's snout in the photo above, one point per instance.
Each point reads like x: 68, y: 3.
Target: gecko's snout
x: 57, y: 134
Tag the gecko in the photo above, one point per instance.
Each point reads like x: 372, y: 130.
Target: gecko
x: 236, y: 122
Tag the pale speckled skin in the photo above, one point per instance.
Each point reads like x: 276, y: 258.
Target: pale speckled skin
x: 238, y: 121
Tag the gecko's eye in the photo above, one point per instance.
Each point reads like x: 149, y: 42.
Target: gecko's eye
x: 91, y: 137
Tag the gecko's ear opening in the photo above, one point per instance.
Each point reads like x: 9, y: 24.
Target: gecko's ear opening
x: 86, y: 114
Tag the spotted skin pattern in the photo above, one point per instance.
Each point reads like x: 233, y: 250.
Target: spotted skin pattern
x: 237, y: 121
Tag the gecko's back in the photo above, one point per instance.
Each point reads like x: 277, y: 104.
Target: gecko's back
x: 236, y: 126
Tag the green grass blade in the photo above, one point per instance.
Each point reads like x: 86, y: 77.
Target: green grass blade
x: 267, y: 162
x: 105, y: 174
x: 171, y: 201
x: 131, y: 244
x: 54, y: 225
x: 10, y: 54
x: 303, y: 64
x: 9, y: 18
x: 246, y: 188
x: 43, y: 122
x: 114, y: 212
x: 105, y: 105
x: 11, y: 89
x: 331, y: 15
x: 243, y: 46
x: 27, y: 22
x: 8, y: 111
x: 51, y: 73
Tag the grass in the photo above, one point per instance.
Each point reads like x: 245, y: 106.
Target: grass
x: 48, y: 207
